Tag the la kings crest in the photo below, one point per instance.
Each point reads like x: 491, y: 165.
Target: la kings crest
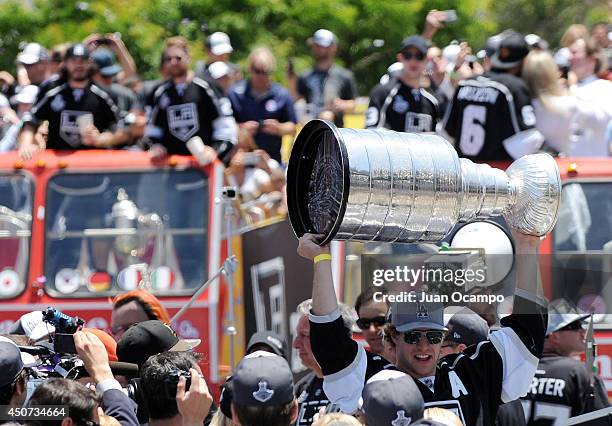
x: 69, y: 128
x: 183, y: 120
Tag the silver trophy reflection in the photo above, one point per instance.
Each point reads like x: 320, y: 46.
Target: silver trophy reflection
x: 380, y: 185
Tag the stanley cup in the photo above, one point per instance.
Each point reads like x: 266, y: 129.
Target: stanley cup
x: 381, y: 185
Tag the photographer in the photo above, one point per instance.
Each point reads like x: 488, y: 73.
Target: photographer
x: 114, y: 402
x: 13, y: 377
x: 82, y: 403
x: 172, y: 403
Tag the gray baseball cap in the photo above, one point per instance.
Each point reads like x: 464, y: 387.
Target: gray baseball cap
x: 467, y: 327
x: 10, y: 363
x: 391, y: 397
x: 408, y: 316
x: 561, y: 314
x: 262, y: 379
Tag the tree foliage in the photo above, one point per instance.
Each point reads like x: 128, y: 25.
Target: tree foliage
x: 369, y: 30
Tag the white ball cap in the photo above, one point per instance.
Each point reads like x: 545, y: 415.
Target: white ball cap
x: 323, y: 38
x: 219, y: 69
x: 219, y: 43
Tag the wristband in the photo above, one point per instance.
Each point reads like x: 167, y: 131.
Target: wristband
x: 320, y: 257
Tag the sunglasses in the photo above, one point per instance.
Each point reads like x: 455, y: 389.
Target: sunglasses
x: 170, y: 58
x: 121, y: 328
x: 434, y: 337
x: 409, y: 55
x: 260, y: 71
x: 365, y: 323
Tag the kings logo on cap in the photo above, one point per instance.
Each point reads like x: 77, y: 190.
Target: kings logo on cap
x: 422, y: 311
x: 263, y: 394
x: 401, y: 419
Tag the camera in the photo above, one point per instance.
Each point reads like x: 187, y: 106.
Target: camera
x: 229, y: 192
x: 172, y: 380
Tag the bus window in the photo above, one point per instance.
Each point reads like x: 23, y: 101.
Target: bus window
x: 111, y: 232
x: 16, y: 192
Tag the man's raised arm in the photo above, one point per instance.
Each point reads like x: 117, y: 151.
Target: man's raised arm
x: 324, y: 301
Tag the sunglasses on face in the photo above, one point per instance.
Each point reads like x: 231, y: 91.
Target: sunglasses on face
x: 433, y: 337
x: 409, y: 55
x: 170, y: 58
x: 364, y: 323
x: 575, y: 326
x: 121, y: 328
x: 260, y: 71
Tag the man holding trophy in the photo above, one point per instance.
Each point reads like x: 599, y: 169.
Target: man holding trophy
x: 414, y: 188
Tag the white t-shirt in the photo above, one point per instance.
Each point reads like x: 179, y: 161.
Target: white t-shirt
x: 573, y: 126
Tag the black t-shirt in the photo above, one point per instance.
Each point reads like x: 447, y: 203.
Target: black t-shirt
x: 511, y: 414
x: 320, y: 87
x: 123, y: 97
x: 485, y: 111
x: 178, y: 113
x: 62, y: 105
x: 472, y: 384
x: 561, y: 388
x: 399, y: 107
x: 310, y: 397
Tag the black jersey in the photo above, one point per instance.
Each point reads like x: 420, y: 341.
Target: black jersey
x: 399, y: 107
x: 179, y: 112
x: 310, y: 397
x: 472, y: 384
x: 562, y: 388
x: 485, y: 111
x: 62, y: 105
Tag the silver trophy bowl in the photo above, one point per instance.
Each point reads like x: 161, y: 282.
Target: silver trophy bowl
x: 381, y: 185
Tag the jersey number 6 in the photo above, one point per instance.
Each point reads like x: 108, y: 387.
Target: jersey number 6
x: 472, y: 129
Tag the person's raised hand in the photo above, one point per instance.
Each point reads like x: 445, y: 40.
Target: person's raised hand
x: 92, y: 352
x: 195, y: 403
x: 309, y: 248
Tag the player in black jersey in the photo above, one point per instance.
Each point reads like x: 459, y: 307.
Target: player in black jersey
x: 401, y: 104
x: 63, y: 106
x: 181, y: 108
x: 490, y: 117
x: 472, y: 384
x: 309, y: 389
x: 562, y: 386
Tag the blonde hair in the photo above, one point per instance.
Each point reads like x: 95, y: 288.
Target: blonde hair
x: 541, y: 74
x: 179, y: 42
x: 442, y: 415
x: 263, y: 56
x: 573, y: 33
x: 336, y: 419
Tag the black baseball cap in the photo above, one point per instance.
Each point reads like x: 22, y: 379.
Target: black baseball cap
x: 77, y: 51
x: 149, y: 338
x: 415, y: 41
x: 10, y: 363
x: 391, y: 397
x: 269, y: 338
x: 105, y: 61
x: 467, y: 327
x: 262, y: 379
x: 512, y: 50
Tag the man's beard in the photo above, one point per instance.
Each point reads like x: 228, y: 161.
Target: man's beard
x: 80, y: 78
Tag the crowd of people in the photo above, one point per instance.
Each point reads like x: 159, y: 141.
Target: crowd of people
x: 417, y: 366
x: 514, y: 97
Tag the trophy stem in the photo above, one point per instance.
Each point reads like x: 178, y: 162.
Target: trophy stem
x: 485, y: 191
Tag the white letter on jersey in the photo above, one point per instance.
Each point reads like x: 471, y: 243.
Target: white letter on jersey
x: 456, y: 385
x: 371, y: 116
x: 528, y: 115
x: 472, y: 129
